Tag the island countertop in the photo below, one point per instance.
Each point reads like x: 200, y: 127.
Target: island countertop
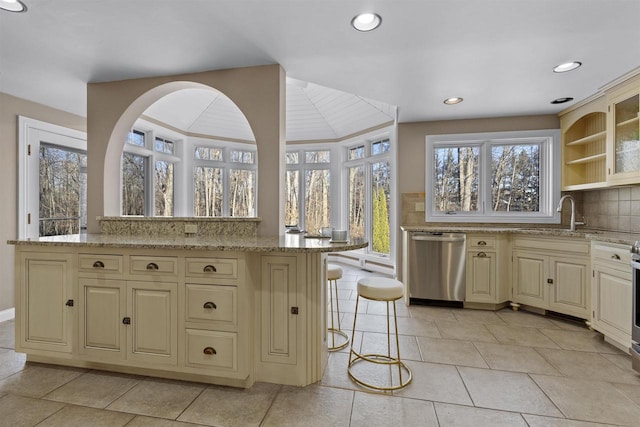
x: 283, y: 243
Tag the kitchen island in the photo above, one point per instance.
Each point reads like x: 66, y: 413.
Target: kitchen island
x: 221, y: 310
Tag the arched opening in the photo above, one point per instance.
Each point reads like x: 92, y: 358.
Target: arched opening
x: 175, y: 108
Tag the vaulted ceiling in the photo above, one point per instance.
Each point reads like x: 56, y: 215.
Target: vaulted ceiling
x: 496, y: 54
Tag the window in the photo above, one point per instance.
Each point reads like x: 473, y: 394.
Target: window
x: 63, y: 186
x: 369, y: 194
x: 498, y: 177
x: 224, y: 188
x: 148, y: 174
x: 308, y: 189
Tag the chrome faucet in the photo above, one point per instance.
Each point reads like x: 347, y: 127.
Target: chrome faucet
x: 572, y: 225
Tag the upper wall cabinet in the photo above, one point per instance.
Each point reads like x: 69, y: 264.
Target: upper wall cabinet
x: 584, y: 146
x: 623, y: 140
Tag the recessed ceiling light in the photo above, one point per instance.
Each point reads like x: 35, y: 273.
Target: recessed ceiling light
x: 13, y: 5
x: 562, y: 100
x: 567, y: 66
x: 366, y: 21
x: 454, y: 100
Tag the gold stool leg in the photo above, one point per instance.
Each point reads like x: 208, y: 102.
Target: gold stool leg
x: 380, y: 359
x: 332, y: 330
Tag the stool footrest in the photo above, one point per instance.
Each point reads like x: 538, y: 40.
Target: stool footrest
x: 332, y: 346
x: 380, y: 359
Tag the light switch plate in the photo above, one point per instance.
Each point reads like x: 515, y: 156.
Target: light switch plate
x: 191, y: 228
x: 420, y: 207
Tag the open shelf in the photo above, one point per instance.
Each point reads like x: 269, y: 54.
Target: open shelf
x: 588, y: 159
x: 587, y: 139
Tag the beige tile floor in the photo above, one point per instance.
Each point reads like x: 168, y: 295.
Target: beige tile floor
x: 470, y: 368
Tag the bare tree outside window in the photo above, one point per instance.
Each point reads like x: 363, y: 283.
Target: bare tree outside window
x: 242, y: 192
x: 456, y: 176
x: 62, y: 186
x: 317, y: 206
x: 208, y: 191
x: 164, y: 188
x: 515, y: 178
x: 134, y: 172
x: 292, y: 192
x: 356, y: 202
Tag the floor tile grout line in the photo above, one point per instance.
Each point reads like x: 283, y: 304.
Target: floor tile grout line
x: 273, y: 400
x: 190, y: 403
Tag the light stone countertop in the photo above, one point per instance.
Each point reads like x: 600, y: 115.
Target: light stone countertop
x: 284, y: 243
x: 589, y: 234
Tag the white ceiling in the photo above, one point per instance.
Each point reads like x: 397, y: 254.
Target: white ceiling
x: 496, y: 54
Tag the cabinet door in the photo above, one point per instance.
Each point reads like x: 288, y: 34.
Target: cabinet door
x: 568, y: 293
x: 530, y: 279
x: 481, y: 276
x: 624, y: 146
x: 46, y: 302
x: 153, y: 312
x: 611, y: 303
x: 278, y: 286
x: 102, y: 305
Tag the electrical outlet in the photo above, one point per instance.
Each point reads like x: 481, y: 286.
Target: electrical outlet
x: 420, y: 207
x: 190, y: 228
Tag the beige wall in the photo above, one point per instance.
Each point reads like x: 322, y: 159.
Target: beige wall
x: 411, y: 149
x: 113, y: 107
x: 10, y: 108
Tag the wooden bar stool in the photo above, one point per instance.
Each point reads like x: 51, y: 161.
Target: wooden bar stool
x: 333, y: 274
x: 389, y: 291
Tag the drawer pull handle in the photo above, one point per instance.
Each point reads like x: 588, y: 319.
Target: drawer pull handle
x: 209, y: 351
x: 152, y: 266
x: 482, y: 254
x: 210, y: 305
x: 482, y: 243
x: 615, y: 256
x: 98, y: 264
x: 209, y: 269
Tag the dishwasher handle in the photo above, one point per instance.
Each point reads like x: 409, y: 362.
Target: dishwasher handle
x: 436, y: 238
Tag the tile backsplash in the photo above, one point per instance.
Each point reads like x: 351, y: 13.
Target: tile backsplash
x: 611, y: 209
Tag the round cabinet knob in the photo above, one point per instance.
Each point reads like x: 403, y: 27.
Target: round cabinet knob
x: 209, y: 269
x: 209, y: 351
x: 210, y: 305
x: 98, y: 264
x: 152, y: 266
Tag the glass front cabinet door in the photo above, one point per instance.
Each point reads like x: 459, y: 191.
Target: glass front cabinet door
x: 623, y: 156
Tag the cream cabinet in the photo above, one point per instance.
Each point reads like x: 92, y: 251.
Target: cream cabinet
x: 487, y: 270
x: 623, y: 145
x: 584, y: 146
x: 130, y: 320
x: 229, y: 318
x: 45, y: 302
x: 551, y: 274
x: 612, y: 292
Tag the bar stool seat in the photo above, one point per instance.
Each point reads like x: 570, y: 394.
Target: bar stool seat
x: 334, y: 273
x: 389, y: 291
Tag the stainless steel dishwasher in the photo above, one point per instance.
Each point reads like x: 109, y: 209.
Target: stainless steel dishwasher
x: 437, y: 266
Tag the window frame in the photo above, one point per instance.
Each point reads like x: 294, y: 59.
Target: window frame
x: 367, y: 161
x: 151, y: 155
x: 549, y: 189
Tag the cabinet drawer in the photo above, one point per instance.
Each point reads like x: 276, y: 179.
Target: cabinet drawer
x: 576, y: 246
x: 212, y: 349
x: 153, y: 265
x: 98, y: 263
x: 211, y: 303
x: 613, y: 256
x: 481, y: 242
x: 221, y: 268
